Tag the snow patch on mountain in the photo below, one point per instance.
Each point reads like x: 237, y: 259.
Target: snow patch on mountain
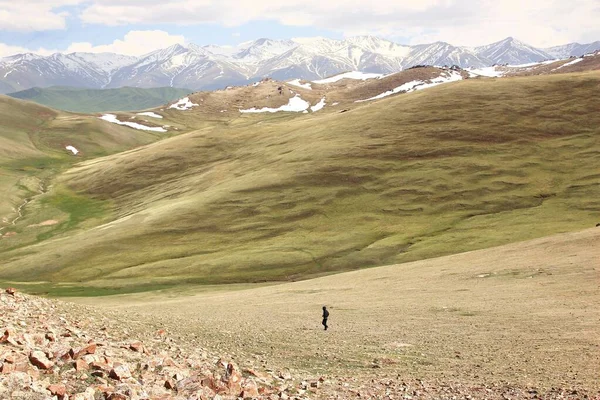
x: 357, y: 75
x: 183, y: 104
x: 296, y: 82
x: 418, y: 85
x: 150, y: 114
x: 319, y: 105
x: 295, y: 104
x: 490, y: 72
x: 72, y: 150
x: 113, y: 119
x: 575, y: 61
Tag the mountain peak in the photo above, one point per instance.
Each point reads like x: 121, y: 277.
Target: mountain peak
x: 261, y: 41
x: 176, y: 47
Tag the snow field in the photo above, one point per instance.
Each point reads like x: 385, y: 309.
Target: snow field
x: 296, y: 104
x: 72, y: 150
x: 418, y: 85
x: 183, y: 104
x: 350, y: 75
x: 113, y: 119
x: 319, y: 105
x: 296, y: 82
x: 150, y: 114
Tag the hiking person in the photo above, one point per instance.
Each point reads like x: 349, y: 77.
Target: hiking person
x: 325, y: 316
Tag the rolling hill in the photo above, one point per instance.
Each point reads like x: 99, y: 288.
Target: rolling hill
x: 243, y: 197
x: 100, y: 100
x: 37, y: 143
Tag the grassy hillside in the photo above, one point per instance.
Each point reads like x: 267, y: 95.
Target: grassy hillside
x: 33, y: 142
x: 459, y: 167
x: 100, y: 100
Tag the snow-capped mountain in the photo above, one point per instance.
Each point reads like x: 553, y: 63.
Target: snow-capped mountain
x: 107, y: 62
x: 511, y: 51
x: 25, y: 71
x: 178, y: 66
x: 572, y: 49
x: 262, y: 49
x: 211, y: 67
x: 440, y: 53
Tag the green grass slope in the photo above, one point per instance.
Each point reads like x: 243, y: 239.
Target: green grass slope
x: 100, y: 100
x: 33, y: 142
x: 458, y: 167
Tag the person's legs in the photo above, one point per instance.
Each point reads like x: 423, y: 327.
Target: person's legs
x: 325, y: 323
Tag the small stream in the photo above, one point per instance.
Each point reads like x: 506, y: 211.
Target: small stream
x: 42, y: 189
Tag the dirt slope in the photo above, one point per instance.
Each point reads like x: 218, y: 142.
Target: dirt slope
x: 517, y: 319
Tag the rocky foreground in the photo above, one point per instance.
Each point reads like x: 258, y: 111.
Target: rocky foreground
x: 51, y: 351
x: 56, y: 350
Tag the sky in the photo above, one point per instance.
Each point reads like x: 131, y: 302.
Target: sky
x: 136, y: 27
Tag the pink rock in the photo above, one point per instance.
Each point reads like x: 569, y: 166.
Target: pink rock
x: 9, y: 336
x: 137, y: 346
x: 120, y: 372
x: 232, y: 379
x: 57, y: 390
x: 39, y: 359
x: 169, y: 384
x: 80, y: 365
x: 78, y: 352
x: 249, y: 389
x: 117, y: 396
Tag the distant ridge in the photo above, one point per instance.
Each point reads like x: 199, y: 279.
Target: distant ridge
x: 100, y: 100
x: 212, y: 67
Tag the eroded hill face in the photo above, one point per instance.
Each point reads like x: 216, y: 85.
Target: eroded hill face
x: 287, y: 195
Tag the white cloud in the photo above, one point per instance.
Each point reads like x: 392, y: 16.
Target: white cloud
x: 538, y: 22
x: 8, y: 50
x: 135, y: 43
x: 33, y: 15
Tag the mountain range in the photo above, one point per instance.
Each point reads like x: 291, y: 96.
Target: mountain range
x: 213, y: 67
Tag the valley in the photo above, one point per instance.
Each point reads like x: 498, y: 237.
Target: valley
x: 245, y: 198
x: 446, y: 217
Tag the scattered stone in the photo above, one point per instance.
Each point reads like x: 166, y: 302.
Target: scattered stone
x: 75, y: 353
x: 39, y: 359
x: 117, y: 396
x: 57, y: 390
x: 81, y: 365
x: 137, y: 346
x: 43, y: 349
x: 120, y: 372
x: 169, y: 384
x: 249, y: 389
